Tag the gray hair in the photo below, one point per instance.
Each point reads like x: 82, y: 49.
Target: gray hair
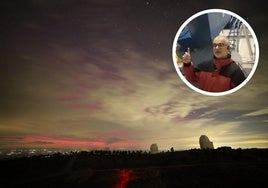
x: 224, y: 38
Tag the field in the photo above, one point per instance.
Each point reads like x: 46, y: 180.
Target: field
x: 192, y: 168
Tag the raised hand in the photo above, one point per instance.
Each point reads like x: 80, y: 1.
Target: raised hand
x: 186, y: 58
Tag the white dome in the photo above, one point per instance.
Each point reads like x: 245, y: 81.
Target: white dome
x: 203, y: 138
x: 205, y: 143
x: 154, y: 148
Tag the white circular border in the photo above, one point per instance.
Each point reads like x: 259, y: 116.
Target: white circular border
x: 206, y: 92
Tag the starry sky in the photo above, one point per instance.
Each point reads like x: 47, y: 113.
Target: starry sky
x: 95, y: 74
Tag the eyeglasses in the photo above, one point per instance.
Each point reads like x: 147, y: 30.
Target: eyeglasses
x: 220, y: 45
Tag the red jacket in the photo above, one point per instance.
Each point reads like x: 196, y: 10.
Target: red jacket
x: 219, y: 76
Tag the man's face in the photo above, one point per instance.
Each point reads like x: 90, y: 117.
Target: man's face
x: 220, y: 48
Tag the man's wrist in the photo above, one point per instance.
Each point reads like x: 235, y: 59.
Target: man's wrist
x: 187, y: 64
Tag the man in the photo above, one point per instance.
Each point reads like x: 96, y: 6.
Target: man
x: 220, y: 75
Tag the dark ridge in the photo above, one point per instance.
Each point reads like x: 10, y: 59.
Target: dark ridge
x: 222, y: 167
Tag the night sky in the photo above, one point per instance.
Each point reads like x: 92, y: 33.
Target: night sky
x: 95, y: 74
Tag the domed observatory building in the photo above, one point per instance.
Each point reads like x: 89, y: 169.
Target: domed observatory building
x: 205, y: 143
x: 154, y: 148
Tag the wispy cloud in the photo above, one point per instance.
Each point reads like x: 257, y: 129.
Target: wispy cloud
x: 257, y: 113
x: 94, y: 106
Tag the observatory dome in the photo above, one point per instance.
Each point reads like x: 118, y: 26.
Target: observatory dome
x: 205, y: 143
x: 154, y: 148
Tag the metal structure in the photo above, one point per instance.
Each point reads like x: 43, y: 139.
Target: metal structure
x: 242, y: 45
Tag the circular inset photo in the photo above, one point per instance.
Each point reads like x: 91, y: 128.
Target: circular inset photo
x: 215, y: 52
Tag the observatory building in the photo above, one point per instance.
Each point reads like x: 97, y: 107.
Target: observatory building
x: 205, y: 143
x: 154, y: 148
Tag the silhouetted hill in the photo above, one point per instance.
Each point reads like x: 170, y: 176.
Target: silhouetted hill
x: 222, y: 167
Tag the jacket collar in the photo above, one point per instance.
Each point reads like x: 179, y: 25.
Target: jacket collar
x: 219, y: 63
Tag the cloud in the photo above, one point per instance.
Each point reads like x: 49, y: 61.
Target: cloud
x: 68, y: 97
x: 42, y: 143
x: 93, y: 106
x: 112, y: 140
x: 257, y: 113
